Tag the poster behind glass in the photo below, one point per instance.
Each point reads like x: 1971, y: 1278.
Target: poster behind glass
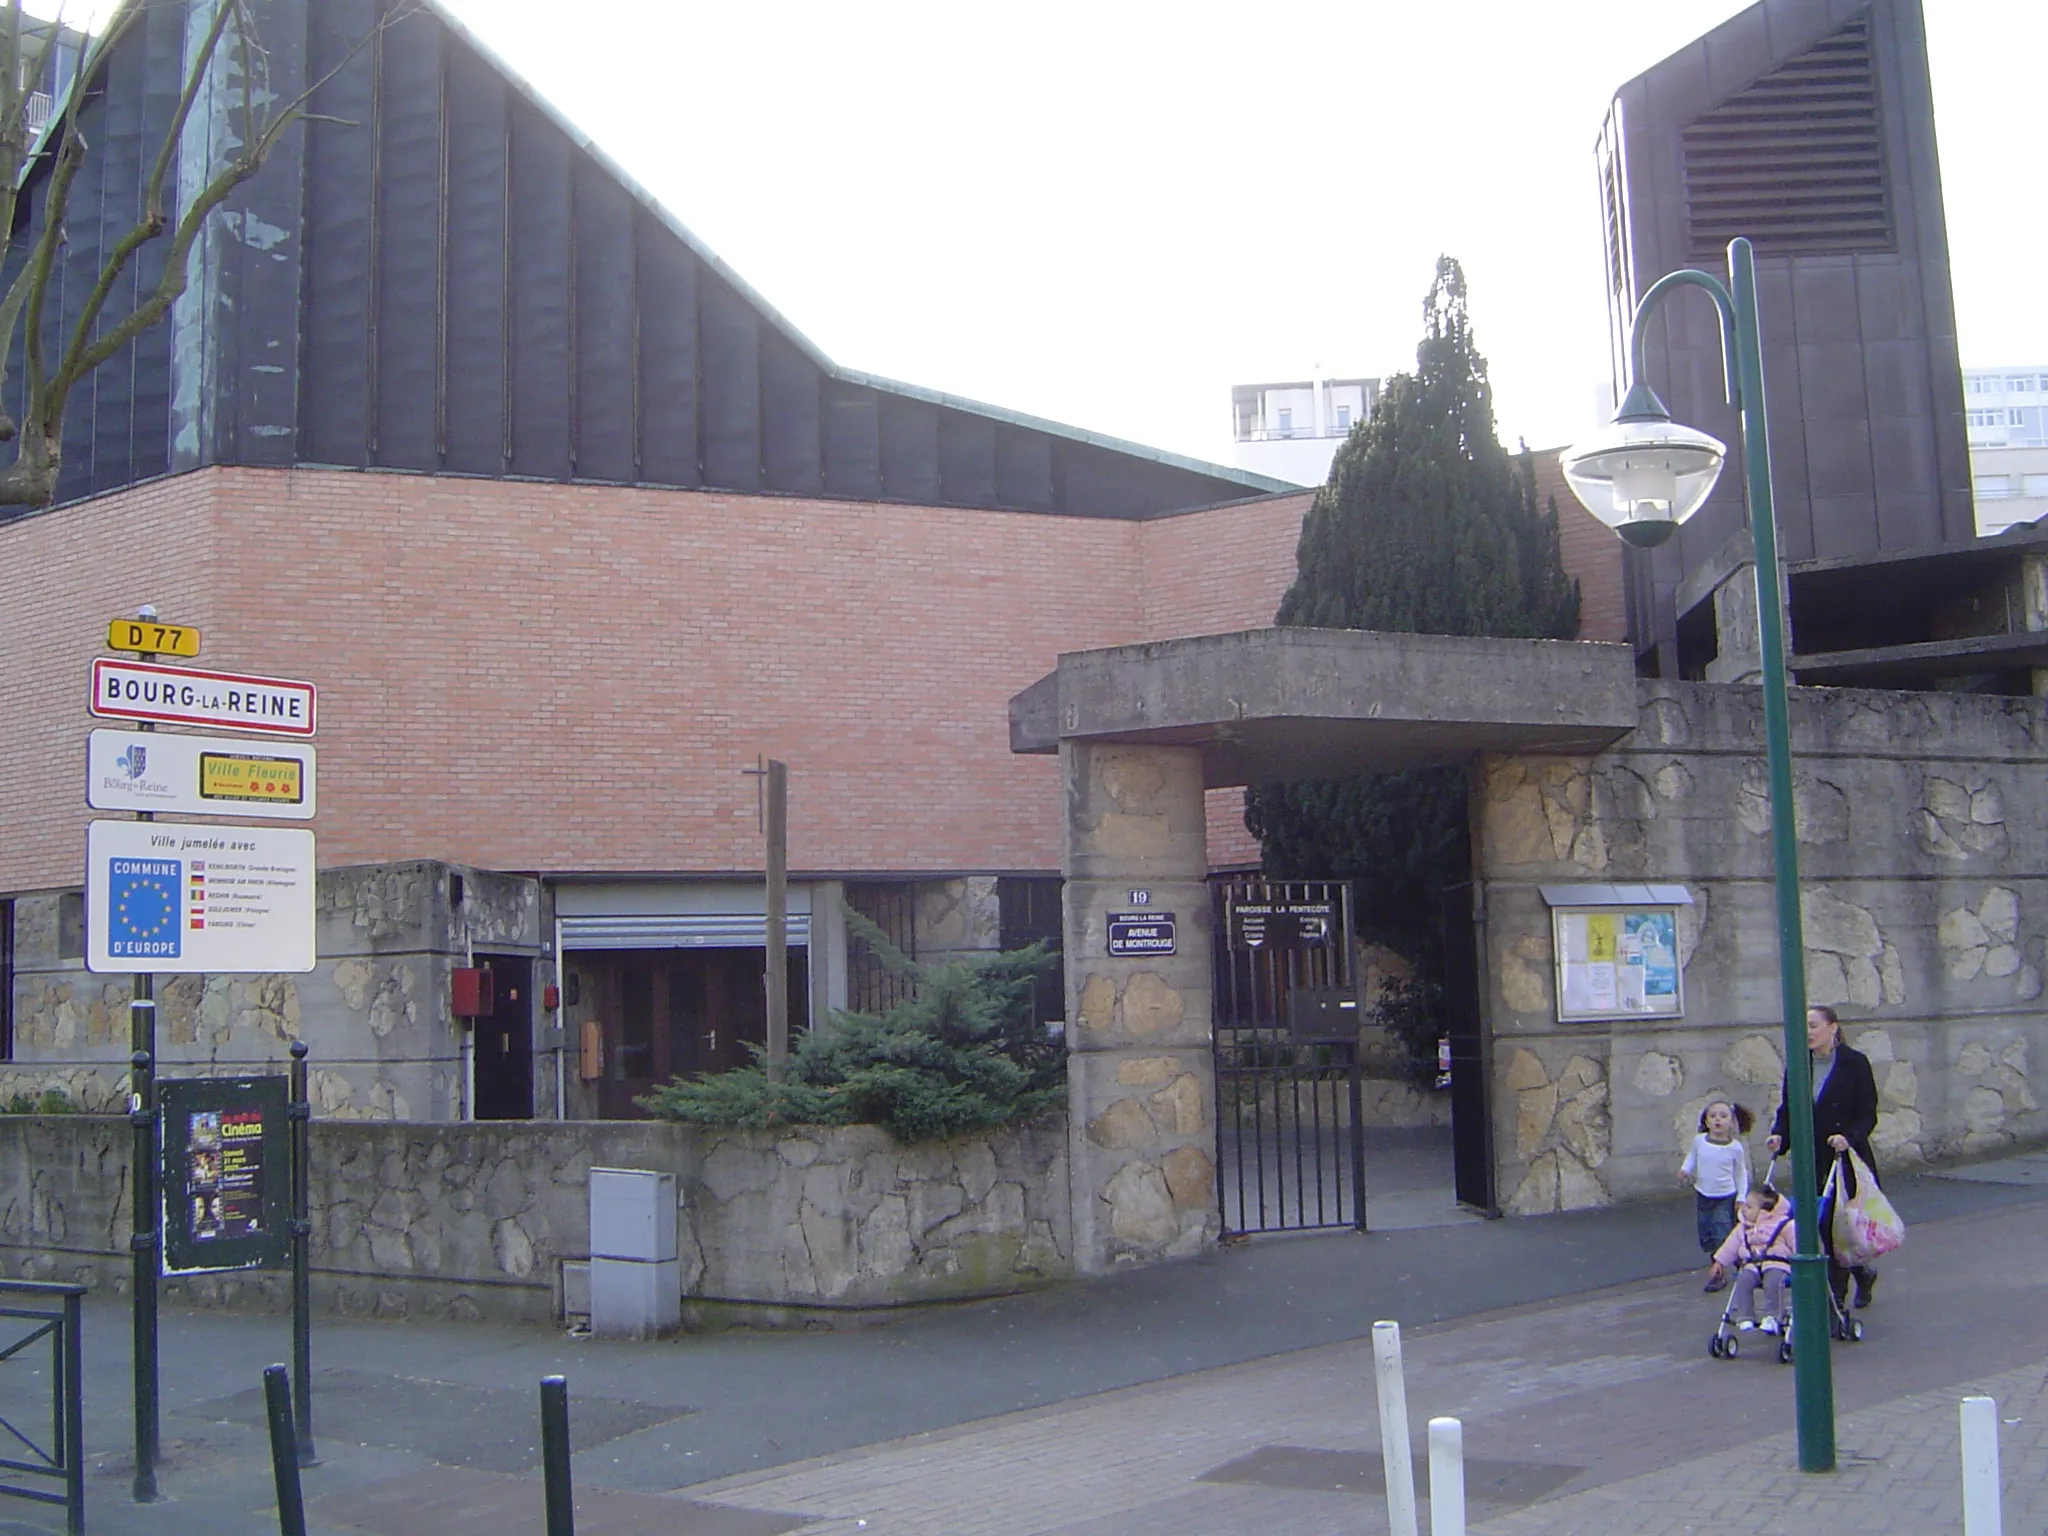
x: 227, y: 1173
x: 1617, y: 963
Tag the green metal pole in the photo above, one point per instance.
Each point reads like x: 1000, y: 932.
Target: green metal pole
x: 1813, y: 1369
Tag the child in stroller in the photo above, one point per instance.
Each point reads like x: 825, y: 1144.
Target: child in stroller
x: 1758, y: 1253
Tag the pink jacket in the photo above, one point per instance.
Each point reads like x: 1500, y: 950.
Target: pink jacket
x: 1770, y: 1243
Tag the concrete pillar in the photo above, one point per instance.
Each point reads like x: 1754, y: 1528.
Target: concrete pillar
x: 2034, y: 606
x: 1738, y: 649
x: 1141, y: 1086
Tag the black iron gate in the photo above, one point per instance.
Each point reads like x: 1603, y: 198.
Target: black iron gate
x: 1471, y: 1121
x: 1290, y: 1139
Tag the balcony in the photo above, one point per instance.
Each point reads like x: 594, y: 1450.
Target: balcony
x: 1288, y: 434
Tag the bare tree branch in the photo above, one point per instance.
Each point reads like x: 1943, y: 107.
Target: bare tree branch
x: 31, y: 478
x: 82, y: 357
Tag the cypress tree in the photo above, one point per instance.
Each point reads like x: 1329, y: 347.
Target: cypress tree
x: 1426, y: 526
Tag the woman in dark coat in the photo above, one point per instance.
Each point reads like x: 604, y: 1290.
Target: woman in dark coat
x: 1844, y: 1115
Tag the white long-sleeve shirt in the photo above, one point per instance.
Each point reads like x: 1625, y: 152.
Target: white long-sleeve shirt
x: 1717, y: 1168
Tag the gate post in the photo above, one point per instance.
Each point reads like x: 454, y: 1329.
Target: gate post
x: 1141, y: 1082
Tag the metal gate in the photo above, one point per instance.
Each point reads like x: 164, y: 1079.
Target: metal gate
x: 1290, y: 1138
x: 1471, y: 1121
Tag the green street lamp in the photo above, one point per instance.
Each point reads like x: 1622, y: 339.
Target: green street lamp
x: 1643, y: 475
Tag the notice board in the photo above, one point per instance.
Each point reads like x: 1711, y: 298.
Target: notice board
x: 1617, y: 962
x: 226, y: 1173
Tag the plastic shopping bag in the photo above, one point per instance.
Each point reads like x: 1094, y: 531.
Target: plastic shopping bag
x: 1865, y: 1226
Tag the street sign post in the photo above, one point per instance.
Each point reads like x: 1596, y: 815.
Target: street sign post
x: 185, y: 898
x: 141, y: 690
x: 151, y: 638
x: 199, y: 775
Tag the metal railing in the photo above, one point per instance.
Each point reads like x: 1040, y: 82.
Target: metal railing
x: 21, y: 1454
x: 1291, y: 434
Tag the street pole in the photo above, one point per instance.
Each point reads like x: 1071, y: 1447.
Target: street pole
x: 1742, y: 359
x: 145, y: 1215
x: 1812, y: 1361
x: 777, y: 929
x: 301, y: 1112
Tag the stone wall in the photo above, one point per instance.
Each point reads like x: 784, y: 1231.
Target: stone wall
x: 1923, y: 840
x: 1141, y: 1082
x: 374, y: 1012
x: 471, y: 1222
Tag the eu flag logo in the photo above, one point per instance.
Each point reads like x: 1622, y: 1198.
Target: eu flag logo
x: 142, y: 908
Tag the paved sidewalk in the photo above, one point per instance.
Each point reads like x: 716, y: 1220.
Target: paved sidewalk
x: 1229, y: 1394
x: 1585, y: 1418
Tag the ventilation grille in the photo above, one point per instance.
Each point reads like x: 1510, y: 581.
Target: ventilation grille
x: 1795, y: 161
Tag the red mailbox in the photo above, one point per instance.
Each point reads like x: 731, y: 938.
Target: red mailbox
x: 471, y: 995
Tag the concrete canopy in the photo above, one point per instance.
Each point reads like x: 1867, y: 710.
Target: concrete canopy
x: 1267, y: 704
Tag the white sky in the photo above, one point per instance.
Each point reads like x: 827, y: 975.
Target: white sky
x: 1108, y: 211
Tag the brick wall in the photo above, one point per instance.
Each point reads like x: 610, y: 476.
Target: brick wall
x: 1590, y: 552
x: 548, y: 677
x: 1212, y: 572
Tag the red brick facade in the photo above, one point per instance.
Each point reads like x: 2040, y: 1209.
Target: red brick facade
x: 570, y: 678
x: 1591, y: 552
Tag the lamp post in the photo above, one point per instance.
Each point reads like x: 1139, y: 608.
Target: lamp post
x: 1643, y: 475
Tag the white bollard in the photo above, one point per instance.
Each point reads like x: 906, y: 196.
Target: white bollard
x: 1394, y: 1451
x: 1981, y: 1514
x: 1446, y: 1478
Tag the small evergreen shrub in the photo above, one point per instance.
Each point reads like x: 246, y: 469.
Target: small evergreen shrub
x: 961, y: 1053
x: 51, y: 1101
x: 1411, y: 1010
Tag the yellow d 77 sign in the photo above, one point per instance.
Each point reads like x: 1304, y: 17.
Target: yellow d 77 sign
x: 148, y: 636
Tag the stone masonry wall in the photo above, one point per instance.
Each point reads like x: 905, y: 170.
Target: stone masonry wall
x: 474, y: 1221
x: 1923, y: 841
x: 374, y: 1012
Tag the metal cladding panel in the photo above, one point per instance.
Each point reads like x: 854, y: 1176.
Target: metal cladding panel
x: 1099, y: 483
x: 607, y: 372
x: 163, y: 49
x: 262, y: 230
x: 667, y: 276
x: 967, y: 459
x: 539, y: 265
x: 78, y: 266
x: 473, y: 387
x: 112, y: 386
x: 852, y: 432
x: 791, y: 431
x: 341, y: 231
x: 407, y: 318
x: 910, y: 450
x: 729, y: 342
x: 1023, y: 469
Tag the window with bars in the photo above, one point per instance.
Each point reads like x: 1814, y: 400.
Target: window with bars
x: 871, y: 986
x: 1030, y: 910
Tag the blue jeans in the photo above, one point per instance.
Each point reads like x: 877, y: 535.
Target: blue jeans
x: 1715, y: 1216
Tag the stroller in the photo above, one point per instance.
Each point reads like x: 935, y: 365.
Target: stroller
x: 1726, y: 1342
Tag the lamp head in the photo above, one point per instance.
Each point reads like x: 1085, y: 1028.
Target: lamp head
x: 1643, y: 474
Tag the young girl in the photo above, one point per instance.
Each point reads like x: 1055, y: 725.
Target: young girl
x: 1717, y: 1167
x: 1759, y: 1252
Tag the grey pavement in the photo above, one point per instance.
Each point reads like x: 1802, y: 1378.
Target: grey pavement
x: 1205, y: 1396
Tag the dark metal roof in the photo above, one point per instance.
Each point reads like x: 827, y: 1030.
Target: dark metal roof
x: 445, y: 276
